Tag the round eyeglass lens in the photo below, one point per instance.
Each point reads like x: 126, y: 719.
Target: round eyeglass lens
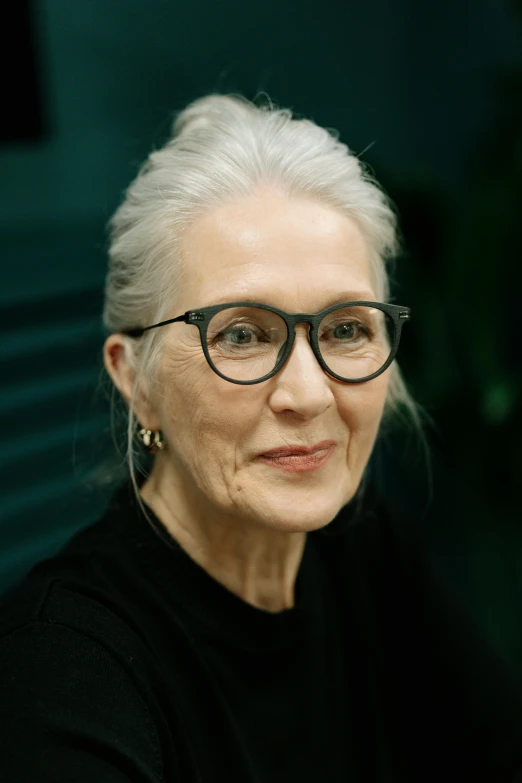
x: 245, y: 343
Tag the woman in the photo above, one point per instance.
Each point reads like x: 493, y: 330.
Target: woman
x: 206, y: 628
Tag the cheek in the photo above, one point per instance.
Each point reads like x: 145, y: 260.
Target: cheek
x: 362, y: 412
x: 202, y: 411
x: 363, y: 404
x: 181, y: 391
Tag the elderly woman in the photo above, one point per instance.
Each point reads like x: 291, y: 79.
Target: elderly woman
x: 207, y: 628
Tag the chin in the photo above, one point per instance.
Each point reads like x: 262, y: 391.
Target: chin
x: 295, y: 526
x: 313, y: 512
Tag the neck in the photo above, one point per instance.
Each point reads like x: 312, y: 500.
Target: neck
x: 258, y: 564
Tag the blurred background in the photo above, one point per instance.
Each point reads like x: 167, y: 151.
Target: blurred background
x: 430, y: 95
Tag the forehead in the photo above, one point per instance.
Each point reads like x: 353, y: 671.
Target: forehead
x: 270, y: 247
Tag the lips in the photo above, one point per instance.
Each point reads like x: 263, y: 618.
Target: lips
x: 288, y: 451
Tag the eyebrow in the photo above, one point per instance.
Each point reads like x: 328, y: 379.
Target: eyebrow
x: 346, y: 296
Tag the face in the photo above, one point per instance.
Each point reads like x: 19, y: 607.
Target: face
x: 299, y: 256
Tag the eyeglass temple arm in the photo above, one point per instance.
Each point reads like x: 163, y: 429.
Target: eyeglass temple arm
x: 138, y: 331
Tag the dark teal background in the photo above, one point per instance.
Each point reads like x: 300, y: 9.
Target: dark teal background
x: 432, y: 93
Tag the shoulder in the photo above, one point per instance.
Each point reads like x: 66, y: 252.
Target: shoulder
x: 78, y: 702
x: 427, y: 652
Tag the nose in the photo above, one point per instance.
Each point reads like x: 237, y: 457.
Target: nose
x: 301, y: 385
x: 301, y: 348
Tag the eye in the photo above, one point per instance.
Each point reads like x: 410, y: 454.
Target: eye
x: 347, y: 331
x: 242, y: 334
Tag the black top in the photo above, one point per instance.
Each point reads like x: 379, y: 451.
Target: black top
x: 122, y: 660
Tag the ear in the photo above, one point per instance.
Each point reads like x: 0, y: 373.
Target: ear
x: 123, y: 376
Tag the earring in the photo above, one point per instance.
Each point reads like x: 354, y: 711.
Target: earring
x: 158, y: 444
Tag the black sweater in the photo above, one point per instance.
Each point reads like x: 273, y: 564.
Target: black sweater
x: 122, y: 660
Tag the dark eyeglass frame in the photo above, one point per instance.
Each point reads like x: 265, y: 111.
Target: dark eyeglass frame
x: 201, y: 317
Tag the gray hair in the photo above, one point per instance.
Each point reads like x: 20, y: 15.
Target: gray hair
x: 224, y: 147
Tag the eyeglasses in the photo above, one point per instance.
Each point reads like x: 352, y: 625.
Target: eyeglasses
x: 249, y: 342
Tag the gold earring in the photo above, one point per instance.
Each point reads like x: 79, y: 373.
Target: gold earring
x: 155, y: 445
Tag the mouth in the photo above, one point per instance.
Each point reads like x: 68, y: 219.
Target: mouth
x: 299, y: 451
x: 299, y: 463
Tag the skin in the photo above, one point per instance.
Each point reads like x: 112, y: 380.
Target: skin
x: 241, y: 520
